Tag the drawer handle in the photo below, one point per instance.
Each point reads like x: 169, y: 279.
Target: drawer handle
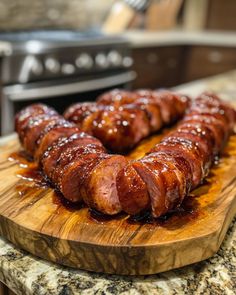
x: 215, y: 57
x: 171, y: 63
x: 152, y: 58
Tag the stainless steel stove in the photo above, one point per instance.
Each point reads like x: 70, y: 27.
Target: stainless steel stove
x: 59, y: 67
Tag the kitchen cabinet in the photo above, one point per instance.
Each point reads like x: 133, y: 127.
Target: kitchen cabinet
x: 4, y: 290
x: 167, y: 66
x: 157, y: 66
x: 203, y: 61
x: 221, y: 15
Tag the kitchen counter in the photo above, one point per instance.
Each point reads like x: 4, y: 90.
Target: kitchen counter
x: 139, y: 38
x: 26, y: 274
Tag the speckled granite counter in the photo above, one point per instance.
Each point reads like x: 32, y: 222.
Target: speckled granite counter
x: 26, y: 274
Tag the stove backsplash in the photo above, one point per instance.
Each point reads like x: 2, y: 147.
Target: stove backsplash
x: 56, y: 14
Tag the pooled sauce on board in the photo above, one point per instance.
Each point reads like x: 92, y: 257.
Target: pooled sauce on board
x: 97, y: 216
x: 59, y: 200
x: 22, y: 158
x: 29, y: 170
x: 189, y: 210
x: 33, y: 174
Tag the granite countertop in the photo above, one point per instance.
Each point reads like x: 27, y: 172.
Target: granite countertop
x: 139, y: 38
x: 26, y: 274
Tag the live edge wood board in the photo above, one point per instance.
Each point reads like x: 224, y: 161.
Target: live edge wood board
x: 33, y: 218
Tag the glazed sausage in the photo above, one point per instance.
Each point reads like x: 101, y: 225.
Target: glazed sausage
x: 121, y: 119
x: 180, y: 162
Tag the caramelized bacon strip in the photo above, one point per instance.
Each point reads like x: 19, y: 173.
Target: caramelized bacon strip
x: 180, y: 162
x: 75, y: 162
x: 121, y: 119
x: 78, y: 165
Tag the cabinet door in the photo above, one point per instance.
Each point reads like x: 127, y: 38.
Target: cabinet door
x: 204, y: 61
x: 221, y: 15
x: 157, y: 67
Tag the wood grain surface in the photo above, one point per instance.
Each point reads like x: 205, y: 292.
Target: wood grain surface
x: 34, y: 218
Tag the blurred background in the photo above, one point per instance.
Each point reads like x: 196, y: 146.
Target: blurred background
x: 85, y: 14
x: 63, y: 51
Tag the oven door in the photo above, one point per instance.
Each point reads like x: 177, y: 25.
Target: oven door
x: 58, y: 94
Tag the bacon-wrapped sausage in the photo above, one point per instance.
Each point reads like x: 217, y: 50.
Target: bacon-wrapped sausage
x: 23, y: 117
x: 180, y: 162
x: 78, y: 165
x: 120, y: 119
x: 79, y: 111
x: 75, y: 162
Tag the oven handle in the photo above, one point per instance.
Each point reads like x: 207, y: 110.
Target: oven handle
x: 17, y: 92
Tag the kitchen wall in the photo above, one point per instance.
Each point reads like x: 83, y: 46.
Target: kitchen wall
x: 30, y: 14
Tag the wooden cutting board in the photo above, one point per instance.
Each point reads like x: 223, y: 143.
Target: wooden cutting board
x: 35, y: 219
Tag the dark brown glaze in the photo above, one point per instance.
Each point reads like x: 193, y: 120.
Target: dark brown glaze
x: 52, y: 125
x: 45, y: 127
x: 52, y: 154
x: 154, y: 97
x: 87, y: 124
x: 186, y: 212
x: 121, y: 119
x: 172, y: 105
x: 211, y: 99
x: 167, y: 103
x: 101, y: 218
x: 197, y: 139
x: 71, y: 160
x: 33, y: 174
x: 63, y: 203
x: 22, y: 118
x: 214, y: 113
x: 34, y: 127
x: 117, y: 97
x: 21, y: 157
x: 189, y: 151
x: 77, y: 147
x: 213, y: 124
x: 53, y: 135
x: 173, y: 180
x: 201, y: 146
x: 71, y: 183
x: 202, y: 132
x: 180, y: 167
x: 153, y: 112
x: 79, y: 111
x: 132, y: 191
x: 120, y: 130
x: 181, y: 163
x: 79, y: 167
x: 165, y: 181
x: 71, y: 152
